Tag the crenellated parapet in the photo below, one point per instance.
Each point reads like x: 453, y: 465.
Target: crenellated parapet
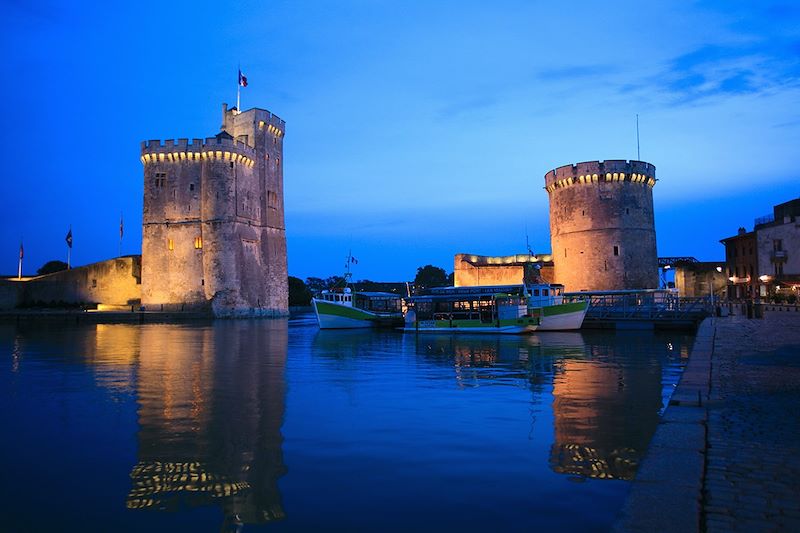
x: 611, y: 170
x: 273, y: 124
x: 210, y: 148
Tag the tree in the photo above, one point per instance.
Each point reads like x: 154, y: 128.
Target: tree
x: 430, y: 276
x: 52, y: 266
x: 317, y: 285
x: 299, y: 293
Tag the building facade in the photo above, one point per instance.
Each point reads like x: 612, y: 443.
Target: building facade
x: 765, y: 262
x: 213, y: 234
x: 602, y: 226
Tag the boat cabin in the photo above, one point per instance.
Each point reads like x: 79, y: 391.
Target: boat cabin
x: 483, y: 304
x: 377, y: 302
x: 544, y: 294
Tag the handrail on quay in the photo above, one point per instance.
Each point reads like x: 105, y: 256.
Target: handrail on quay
x: 644, y: 305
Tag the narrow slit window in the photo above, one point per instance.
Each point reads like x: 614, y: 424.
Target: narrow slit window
x: 616, y: 250
x: 198, y: 243
x: 170, y: 245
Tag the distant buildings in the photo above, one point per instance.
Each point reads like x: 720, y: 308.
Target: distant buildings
x: 765, y: 262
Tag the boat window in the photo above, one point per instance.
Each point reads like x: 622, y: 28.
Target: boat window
x: 536, y: 292
x: 545, y: 292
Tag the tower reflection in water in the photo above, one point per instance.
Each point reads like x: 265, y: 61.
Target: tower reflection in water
x: 607, y: 389
x: 211, y: 406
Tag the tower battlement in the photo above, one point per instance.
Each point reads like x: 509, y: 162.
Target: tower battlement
x: 172, y: 150
x: 261, y: 118
x: 610, y: 170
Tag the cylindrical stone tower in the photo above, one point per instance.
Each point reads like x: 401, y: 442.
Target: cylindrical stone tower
x: 602, y: 230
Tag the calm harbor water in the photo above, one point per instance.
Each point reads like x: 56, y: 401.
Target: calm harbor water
x: 274, y: 425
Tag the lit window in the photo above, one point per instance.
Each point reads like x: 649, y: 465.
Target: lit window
x: 198, y: 243
x: 170, y: 245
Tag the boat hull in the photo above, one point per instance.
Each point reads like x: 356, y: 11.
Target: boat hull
x: 331, y: 315
x: 563, y: 317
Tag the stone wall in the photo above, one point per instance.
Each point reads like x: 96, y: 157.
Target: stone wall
x: 602, y: 226
x: 113, y: 282
x: 700, y: 279
x: 472, y: 270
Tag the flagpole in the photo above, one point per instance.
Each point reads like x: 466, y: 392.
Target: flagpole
x: 19, y: 271
x: 238, y: 89
x: 638, y: 155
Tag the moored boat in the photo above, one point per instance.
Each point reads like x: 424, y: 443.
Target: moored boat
x: 343, y: 308
x: 494, y: 309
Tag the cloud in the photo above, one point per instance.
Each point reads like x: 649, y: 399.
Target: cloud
x: 720, y: 71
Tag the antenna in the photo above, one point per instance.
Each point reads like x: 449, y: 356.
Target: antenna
x: 638, y: 155
x: 527, y: 244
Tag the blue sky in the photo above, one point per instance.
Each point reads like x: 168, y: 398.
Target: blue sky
x: 415, y: 130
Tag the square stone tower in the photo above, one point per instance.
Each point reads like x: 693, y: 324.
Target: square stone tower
x: 213, y: 235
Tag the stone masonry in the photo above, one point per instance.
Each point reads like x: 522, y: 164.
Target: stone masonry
x: 213, y: 233
x: 602, y: 228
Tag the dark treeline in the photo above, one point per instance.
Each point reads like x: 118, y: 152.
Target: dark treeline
x: 301, y: 292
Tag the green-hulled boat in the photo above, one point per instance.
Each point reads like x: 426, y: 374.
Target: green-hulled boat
x: 495, y: 309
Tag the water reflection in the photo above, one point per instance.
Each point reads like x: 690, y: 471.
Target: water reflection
x: 211, y: 405
x: 378, y: 421
x: 607, y: 389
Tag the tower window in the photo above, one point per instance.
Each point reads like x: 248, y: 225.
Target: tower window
x: 198, y: 243
x: 627, y: 211
x: 170, y: 245
x: 616, y: 250
x: 191, y: 186
x: 231, y: 164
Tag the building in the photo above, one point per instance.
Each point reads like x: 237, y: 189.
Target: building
x: 213, y: 233
x: 741, y: 263
x: 602, y: 227
x: 765, y: 262
x: 697, y: 279
x: 471, y: 270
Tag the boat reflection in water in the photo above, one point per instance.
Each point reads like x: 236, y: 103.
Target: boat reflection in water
x: 607, y: 391
x: 211, y: 405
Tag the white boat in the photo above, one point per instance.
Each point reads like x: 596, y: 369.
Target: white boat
x: 495, y: 309
x: 343, y: 309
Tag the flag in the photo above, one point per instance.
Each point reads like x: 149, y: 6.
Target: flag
x: 120, y: 227
x: 242, y: 79
x: 69, y: 237
x: 353, y: 260
x: 21, y: 250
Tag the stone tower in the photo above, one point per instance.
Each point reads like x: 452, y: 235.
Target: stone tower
x: 601, y: 225
x: 213, y: 235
